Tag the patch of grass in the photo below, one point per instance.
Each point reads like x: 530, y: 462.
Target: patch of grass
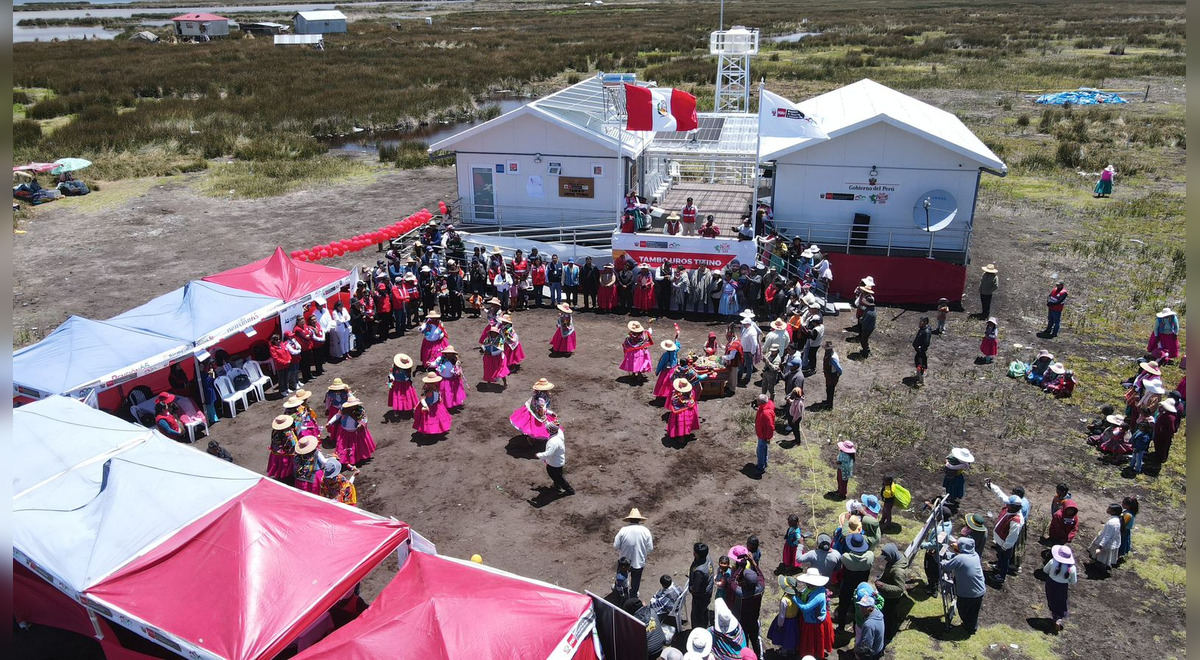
x: 986, y: 642
x: 116, y: 193
x: 1155, y: 559
x: 266, y: 179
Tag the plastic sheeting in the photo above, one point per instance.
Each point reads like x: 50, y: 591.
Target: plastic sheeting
x: 280, y: 276
x: 438, y: 608
x: 1081, y: 96
x: 200, y: 312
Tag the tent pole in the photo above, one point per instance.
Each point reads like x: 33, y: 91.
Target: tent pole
x: 757, y: 149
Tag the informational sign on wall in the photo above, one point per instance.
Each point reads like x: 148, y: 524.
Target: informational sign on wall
x: 690, y: 251
x: 577, y: 186
x: 856, y: 191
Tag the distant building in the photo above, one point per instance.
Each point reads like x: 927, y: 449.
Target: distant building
x: 317, y: 41
x: 200, y: 26
x: 328, y: 21
x: 263, y: 27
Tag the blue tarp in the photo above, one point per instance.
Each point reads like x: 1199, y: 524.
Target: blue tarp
x: 83, y: 353
x: 1081, y: 96
x: 201, y: 313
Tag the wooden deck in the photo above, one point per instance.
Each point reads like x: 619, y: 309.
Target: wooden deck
x: 727, y: 203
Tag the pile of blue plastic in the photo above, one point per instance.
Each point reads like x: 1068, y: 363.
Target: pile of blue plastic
x: 1081, y: 96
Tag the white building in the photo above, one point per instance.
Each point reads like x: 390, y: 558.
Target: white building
x: 201, y: 25
x: 325, y: 21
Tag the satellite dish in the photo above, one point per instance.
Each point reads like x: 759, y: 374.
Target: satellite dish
x: 941, y: 211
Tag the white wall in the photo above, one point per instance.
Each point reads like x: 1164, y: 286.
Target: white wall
x: 910, y: 163
x: 519, y: 140
x: 212, y: 28
x: 334, y: 26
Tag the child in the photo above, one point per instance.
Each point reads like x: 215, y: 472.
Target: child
x: 621, y: 581
x: 943, y: 311
x: 564, y: 338
x: 429, y: 415
x: 990, y: 345
x: 402, y: 397
x: 723, y: 579
x: 845, y: 465
x: 792, y: 541
x: 475, y: 305
x: 682, y: 418
x: 889, y: 500
x: 1062, y: 574
x: 1141, y: 443
x: 1097, y: 425
x: 1060, y: 382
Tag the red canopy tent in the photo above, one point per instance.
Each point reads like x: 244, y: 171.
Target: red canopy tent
x: 280, y: 276
x: 247, y: 579
x: 438, y: 607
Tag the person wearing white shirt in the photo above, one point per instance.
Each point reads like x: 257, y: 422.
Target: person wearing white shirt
x: 322, y: 325
x: 778, y: 336
x: 555, y: 457
x: 339, y: 341
x: 634, y: 542
x: 1107, y: 545
x: 751, y: 348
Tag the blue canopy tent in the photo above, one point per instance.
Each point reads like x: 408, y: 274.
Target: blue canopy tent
x: 82, y: 354
x: 201, y: 313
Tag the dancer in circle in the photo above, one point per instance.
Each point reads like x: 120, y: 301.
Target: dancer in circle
x: 454, y: 393
x: 430, y: 416
x: 666, y: 366
x: 335, y: 397
x: 514, y: 354
x: 492, y: 308
x: 281, y: 464
x: 402, y: 396
x: 564, y: 338
x: 309, y: 463
x: 349, y: 431
x: 530, y: 417
x: 495, y: 364
x: 684, y: 419
x: 636, y: 347
x: 302, y: 425
x: 433, y: 338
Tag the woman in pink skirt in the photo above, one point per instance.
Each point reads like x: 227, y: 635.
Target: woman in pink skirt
x: 281, y: 464
x: 307, y: 413
x: 990, y: 345
x: 514, y: 355
x: 636, y: 347
x: 563, y: 340
x: 666, y: 367
x: 430, y: 416
x: 531, y: 417
x: 1164, y: 339
x: 684, y: 420
x: 454, y: 393
x: 302, y: 425
x: 495, y: 364
x: 335, y: 397
x: 402, y: 397
x: 433, y: 338
x: 349, y: 430
x: 492, y: 309
x: 308, y: 464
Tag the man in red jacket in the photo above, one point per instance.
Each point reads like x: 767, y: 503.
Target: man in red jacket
x: 1054, y: 309
x: 764, y: 428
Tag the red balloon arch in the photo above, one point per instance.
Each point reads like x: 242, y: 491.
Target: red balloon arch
x: 356, y: 243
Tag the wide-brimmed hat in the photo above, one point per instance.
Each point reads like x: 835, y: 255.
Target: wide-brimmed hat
x: 307, y: 444
x: 806, y: 253
x: 872, y: 503
x: 449, y: 349
x: 813, y: 577
x: 352, y: 402
x: 333, y: 467
x: 1062, y: 554
x: 747, y: 320
x: 746, y: 313
x: 847, y: 446
x: 867, y: 289
x: 634, y: 326
x: 493, y: 329
x: 1166, y: 311
x: 496, y: 250
x: 681, y: 385
x: 868, y: 281
x: 1115, y: 420
x: 724, y: 619
x: 1058, y: 368
x: 493, y: 301
x: 292, y: 402
x: 975, y: 522
x: 433, y: 314
x: 410, y: 276
x: 778, y: 324
x: 166, y: 397
x: 634, y: 514
x: 962, y: 455
x: 1151, y: 367
x: 856, y: 542
x: 1045, y: 354
x: 337, y: 384
x: 564, y: 308
x: 699, y: 643
x: 852, y: 505
x: 1167, y: 405
x: 990, y: 268
x: 853, y: 524
x: 668, y: 345
x: 543, y: 385
x: 282, y: 422
x: 504, y: 318
x: 1154, y: 387
x: 431, y: 378
x: 788, y: 584
x: 993, y: 321
x: 403, y: 361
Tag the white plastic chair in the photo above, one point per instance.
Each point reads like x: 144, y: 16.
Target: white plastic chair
x: 229, y: 395
x: 258, y: 379
x: 237, y: 371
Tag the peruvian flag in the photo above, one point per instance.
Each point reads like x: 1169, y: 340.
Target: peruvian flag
x: 659, y: 109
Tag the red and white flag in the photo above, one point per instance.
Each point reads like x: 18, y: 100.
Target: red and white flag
x: 659, y: 109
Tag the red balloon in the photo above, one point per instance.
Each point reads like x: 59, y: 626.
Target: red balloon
x: 301, y: 257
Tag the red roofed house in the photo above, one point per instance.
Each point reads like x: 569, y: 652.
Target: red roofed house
x: 201, y: 25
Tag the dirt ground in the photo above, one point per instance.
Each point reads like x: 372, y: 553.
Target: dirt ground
x: 481, y: 490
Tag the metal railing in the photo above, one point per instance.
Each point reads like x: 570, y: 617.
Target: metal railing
x: 948, y: 243
x: 497, y: 216
x: 712, y: 172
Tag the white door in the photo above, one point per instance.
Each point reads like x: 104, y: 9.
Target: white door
x: 483, y: 193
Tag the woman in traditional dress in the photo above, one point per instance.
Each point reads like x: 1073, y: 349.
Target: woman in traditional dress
x: 495, y: 365
x: 684, y: 420
x: 784, y: 631
x: 402, y: 396
x: 336, y: 485
x: 430, y: 416
x: 1062, y: 573
x: 607, y: 297
x: 308, y: 462
x: 1106, y: 548
x: 990, y: 345
x: 514, y: 354
x: 349, y: 430
x: 454, y: 393
x: 729, y: 306
x: 728, y: 637
x: 530, y: 417
x: 307, y: 414
x: 643, y: 290
x: 281, y: 463
x: 433, y: 338
x: 636, y: 347
x: 339, y: 341
x: 665, y: 369
x: 302, y: 425
x: 1105, y: 185
x: 1164, y: 339
x: 816, y: 620
x: 335, y: 397
x: 492, y: 308
x: 564, y: 338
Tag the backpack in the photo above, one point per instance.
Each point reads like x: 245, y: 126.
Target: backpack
x: 901, y: 495
x: 241, y: 382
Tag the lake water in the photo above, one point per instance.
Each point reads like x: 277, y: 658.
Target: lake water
x: 370, y: 142
x: 793, y: 38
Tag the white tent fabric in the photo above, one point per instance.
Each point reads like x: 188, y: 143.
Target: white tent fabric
x: 867, y: 102
x: 96, y: 516
x: 200, y: 312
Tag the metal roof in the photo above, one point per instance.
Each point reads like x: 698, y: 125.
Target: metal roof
x: 201, y: 18
x: 322, y: 15
x: 727, y: 136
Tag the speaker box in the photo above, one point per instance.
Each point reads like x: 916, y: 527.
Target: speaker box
x: 858, y: 233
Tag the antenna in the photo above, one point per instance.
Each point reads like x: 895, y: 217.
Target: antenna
x: 733, y: 48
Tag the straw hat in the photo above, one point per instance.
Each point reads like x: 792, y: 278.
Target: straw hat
x: 990, y: 268
x: 564, y: 308
x: 788, y: 584
x: 854, y: 525
x: 307, y: 444
x: 1166, y: 311
x: 433, y: 314
x: 1167, y: 405
x: 681, y: 385
x: 867, y: 289
x: 450, y: 350
x: 282, y: 422
x: 962, y: 455
x: 746, y: 313
x: 403, y: 361
x: 292, y: 402
x: 337, y: 384
x: 493, y: 301
x: 673, y: 216
x: 1045, y: 354
x: 634, y: 514
x: 1058, y: 368
x: 1115, y: 420
x: 813, y: 577
x: 543, y: 385
x: 352, y: 402
x: 868, y: 281
x: 634, y: 326
x: 1151, y: 367
x: 806, y: 253
x: 303, y: 395
x: 778, y: 324
x: 847, y: 446
x: 668, y: 345
x: 724, y: 619
x: 431, y: 378
x: 496, y: 250
x: 493, y: 329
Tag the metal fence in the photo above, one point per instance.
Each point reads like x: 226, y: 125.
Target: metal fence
x: 948, y: 244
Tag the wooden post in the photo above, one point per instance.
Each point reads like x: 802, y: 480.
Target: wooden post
x: 1147, y: 96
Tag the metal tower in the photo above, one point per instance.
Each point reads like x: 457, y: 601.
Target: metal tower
x: 733, y: 48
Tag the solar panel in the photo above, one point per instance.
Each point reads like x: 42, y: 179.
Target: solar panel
x: 709, y: 131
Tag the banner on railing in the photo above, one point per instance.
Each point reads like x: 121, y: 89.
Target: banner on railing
x: 689, y: 251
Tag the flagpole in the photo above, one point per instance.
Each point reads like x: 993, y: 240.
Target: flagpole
x: 621, y: 161
x: 757, y: 149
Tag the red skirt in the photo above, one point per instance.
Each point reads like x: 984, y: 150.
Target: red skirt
x: 560, y: 344
x: 313, y: 486
x: 643, y: 298
x: 495, y: 367
x: 281, y: 467
x: 816, y: 639
x: 789, y: 556
x: 607, y: 298
x: 989, y: 347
